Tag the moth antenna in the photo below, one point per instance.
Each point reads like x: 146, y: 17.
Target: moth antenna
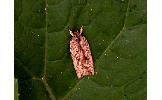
x: 71, y: 33
x: 81, y: 29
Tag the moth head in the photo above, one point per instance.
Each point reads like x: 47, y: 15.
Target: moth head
x: 76, y: 34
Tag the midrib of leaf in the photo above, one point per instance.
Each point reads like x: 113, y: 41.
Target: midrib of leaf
x: 43, y: 79
x: 45, y: 62
x: 48, y: 89
x: 108, y: 47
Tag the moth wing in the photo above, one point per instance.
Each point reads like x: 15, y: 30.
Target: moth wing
x: 88, y: 57
x: 77, y: 55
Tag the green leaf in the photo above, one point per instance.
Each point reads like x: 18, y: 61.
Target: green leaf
x: 16, y: 93
x: 116, y: 31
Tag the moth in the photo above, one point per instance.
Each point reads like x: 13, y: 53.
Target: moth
x: 81, y: 54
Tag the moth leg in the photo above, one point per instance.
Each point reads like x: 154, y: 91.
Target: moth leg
x: 71, y: 33
x: 81, y: 30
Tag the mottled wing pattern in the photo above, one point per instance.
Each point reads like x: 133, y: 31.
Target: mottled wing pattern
x: 88, y: 64
x: 81, y: 55
x: 76, y: 54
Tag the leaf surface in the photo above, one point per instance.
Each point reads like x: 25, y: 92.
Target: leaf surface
x: 116, y: 31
